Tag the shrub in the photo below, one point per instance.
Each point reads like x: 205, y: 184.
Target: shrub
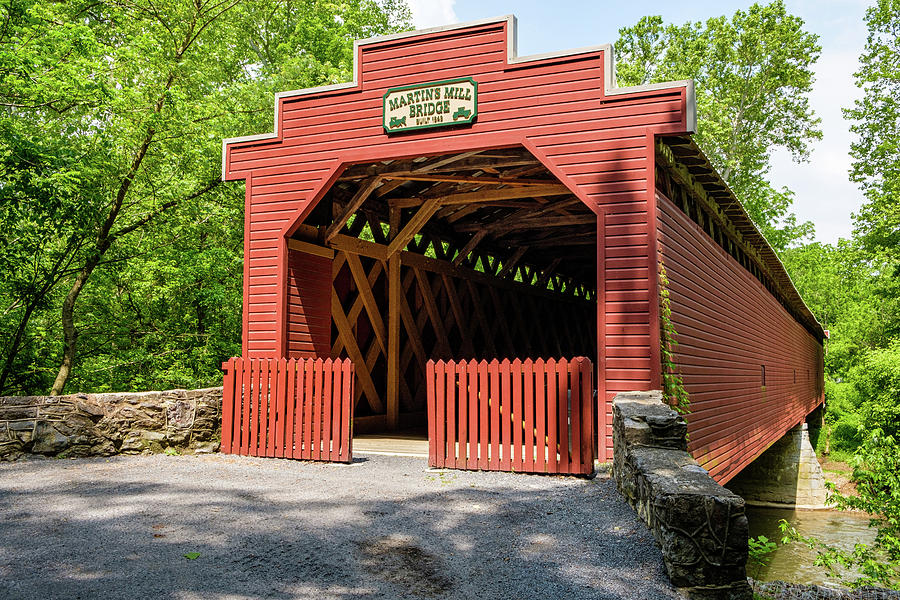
x: 877, y: 381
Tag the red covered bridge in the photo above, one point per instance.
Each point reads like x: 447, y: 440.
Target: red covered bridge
x: 471, y: 241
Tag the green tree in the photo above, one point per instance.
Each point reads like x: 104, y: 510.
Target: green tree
x: 112, y: 115
x: 870, y: 310
x: 753, y: 75
x: 876, y: 122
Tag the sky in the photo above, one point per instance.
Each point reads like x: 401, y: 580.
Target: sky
x: 824, y: 193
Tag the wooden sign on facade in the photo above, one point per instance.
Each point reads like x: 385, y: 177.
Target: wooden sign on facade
x: 435, y: 104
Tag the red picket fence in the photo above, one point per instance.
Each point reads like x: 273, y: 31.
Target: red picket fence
x: 297, y: 408
x: 526, y: 416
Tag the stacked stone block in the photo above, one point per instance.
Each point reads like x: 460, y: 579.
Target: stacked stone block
x: 700, y: 526
x: 105, y: 424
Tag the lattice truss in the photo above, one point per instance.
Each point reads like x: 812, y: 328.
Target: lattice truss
x: 477, y: 255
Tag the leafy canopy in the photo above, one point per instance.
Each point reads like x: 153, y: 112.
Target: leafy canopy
x: 753, y: 75
x: 120, y: 247
x: 876, y: 122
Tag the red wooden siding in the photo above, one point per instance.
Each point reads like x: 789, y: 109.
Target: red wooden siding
x: 288, y: 408
x: 524, y: 416
x: 728, y: 328
x: 309, y: 305
x: 599, y: 145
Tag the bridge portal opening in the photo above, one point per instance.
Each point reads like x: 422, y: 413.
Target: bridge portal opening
x: 475, y: 255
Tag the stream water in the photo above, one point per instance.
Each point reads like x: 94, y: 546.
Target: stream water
x: 794, y: 562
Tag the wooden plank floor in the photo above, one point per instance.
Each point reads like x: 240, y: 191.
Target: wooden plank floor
x: 398, y: 443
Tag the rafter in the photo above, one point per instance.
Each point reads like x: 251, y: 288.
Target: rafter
x: 460, y: 162
x: 515, y: 181
x: 501, y: 226
x: 470, y: 245
x: 510, y: 263
x: 411, y: 167
x: 413, y: 226
x: 546, y: 273
x: 357, y: 201
x: 553, y: 189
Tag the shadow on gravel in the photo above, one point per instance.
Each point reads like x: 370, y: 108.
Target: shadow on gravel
x: 91, y: 533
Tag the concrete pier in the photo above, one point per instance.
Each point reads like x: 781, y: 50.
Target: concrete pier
x: 786, y: 475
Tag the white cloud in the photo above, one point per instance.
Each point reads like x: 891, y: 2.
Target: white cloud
x: 824, y: 193
x: 432, y: 13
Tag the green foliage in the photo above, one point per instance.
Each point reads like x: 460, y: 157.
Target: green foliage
x: 121, y: 247
x: 760, y: 550
x: 865, y: 415
x: 852, y: 292
x: 753, y: 75
x: 878, y: 488
x: 854, y: 287
x: 673, y: 385
x: 877, y: 381
x: 876, y: 122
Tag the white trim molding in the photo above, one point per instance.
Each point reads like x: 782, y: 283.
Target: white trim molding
x: 512, y: 58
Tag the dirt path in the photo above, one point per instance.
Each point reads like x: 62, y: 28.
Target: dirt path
x: 383, y: 527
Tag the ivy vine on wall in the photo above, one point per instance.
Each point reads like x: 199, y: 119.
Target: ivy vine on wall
x: 673, y: 385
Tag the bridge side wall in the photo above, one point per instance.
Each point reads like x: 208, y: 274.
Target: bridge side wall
x: 729, y: 327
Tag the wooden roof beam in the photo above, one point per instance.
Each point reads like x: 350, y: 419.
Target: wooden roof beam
x: 353, y: 205
x: 415, y: 224
x: 423, y: 168
x: 554, y: 189
x: 465, y: 179
x: 512, y: 261
x: 469, y: 163
x: 470, y: 245
x: 582, y: 237
x: 546, y: 273
x: 501, y: 227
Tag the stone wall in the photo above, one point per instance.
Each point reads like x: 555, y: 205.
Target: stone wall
x: 700, y: 526
x: 788, y: 474
x: 185, y: 421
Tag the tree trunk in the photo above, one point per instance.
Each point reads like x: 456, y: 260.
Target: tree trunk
x: 16, y: 342
x: 52, y: 278
x: 70, y: 333
x: 106, y: 236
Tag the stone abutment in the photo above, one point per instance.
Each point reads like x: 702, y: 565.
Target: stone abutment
x: 700, y: 526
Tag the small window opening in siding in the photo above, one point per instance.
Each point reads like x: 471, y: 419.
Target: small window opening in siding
x: 762, y: 372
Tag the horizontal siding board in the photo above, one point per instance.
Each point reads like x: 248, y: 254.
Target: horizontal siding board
x: 308, y: 326
x: 728, y: 325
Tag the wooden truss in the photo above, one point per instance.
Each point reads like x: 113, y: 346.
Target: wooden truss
x: 471, y: 256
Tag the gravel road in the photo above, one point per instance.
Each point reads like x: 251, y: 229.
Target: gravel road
x: 383, y: 527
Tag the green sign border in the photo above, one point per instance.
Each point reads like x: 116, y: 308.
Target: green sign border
x: 414, y: 86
